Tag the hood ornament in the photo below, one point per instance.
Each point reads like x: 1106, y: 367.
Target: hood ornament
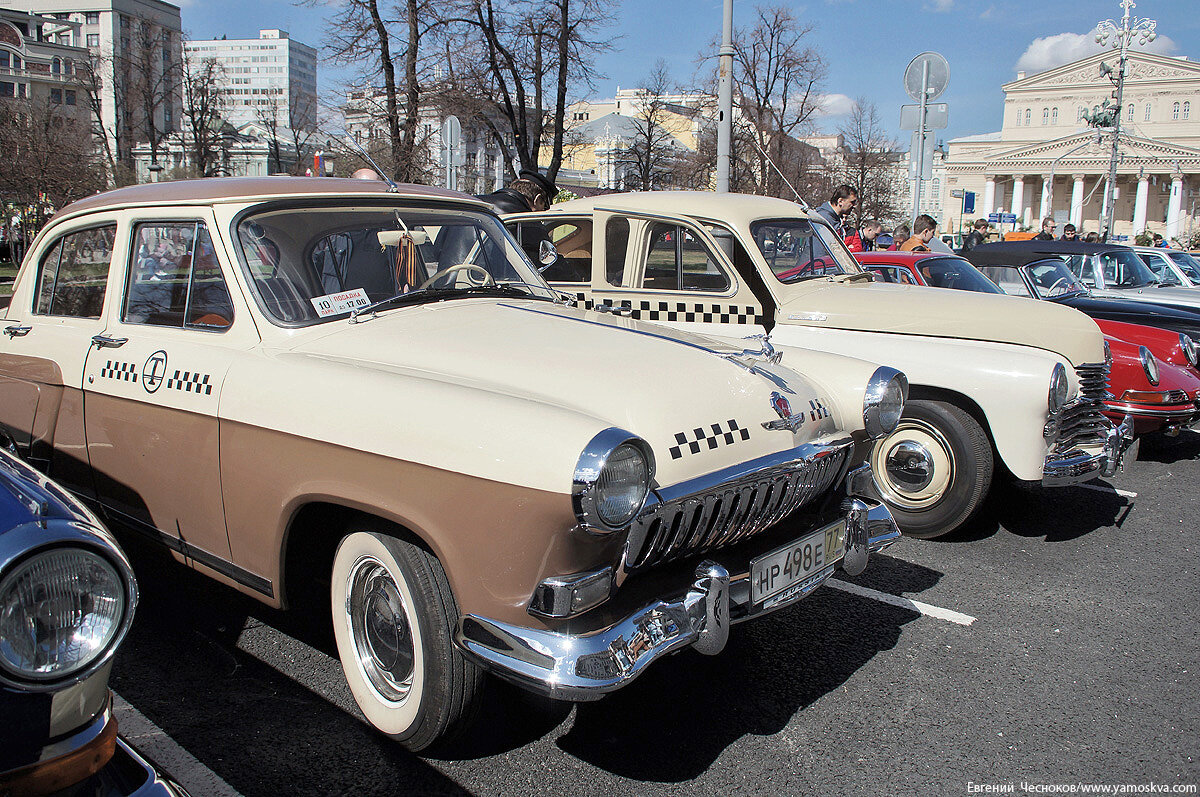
x: 787, y: 421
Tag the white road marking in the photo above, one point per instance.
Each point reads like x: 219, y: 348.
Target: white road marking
x: 1102, y: 489
x: 152, y: 740
x: 905, y: 603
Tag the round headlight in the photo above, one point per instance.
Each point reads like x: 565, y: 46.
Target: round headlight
x: 60, y: 611
x: 1189, y: 348
x: 612, y: 480
x: 1149, y: 365
x: 1059, y: 387
x: 883, y: 403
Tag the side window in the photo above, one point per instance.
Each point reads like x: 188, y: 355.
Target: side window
x: 573, y: 240
x: 74, y: 274
x: 677, y: 260
x: 1158, y: 264
x: 1081, y: 267
x: 1111, y: 268
x: 175, y: 279
x: 616, y: 242
x: 1009, y: 280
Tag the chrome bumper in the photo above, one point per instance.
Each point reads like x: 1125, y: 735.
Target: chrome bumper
x: 1082, y: 467
x: 584, y: 665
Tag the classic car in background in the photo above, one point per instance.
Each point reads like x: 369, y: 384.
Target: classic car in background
x: 67, y: 596
x: 1110, y: 271
x: 1170, y: 266
x: 1153, y: 380
x: 990, y: 380
x: 1048, y: 278
x: 363, y: 400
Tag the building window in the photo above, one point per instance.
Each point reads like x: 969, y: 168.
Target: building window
x: 56, y: 96
x: 1175, y: 112
x: 8, y: 89
x: 56, y: 66
x: 1028, y: 115
x: 92, y: 17
x: 1129, y: 116
x: 1053, y: 116
x: 69, y: 96
x: 93, y: 40
x: 1045, y: 116
x: 1187, y: 110
x: 1147, y: 112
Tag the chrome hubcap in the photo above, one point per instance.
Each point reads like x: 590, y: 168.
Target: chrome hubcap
x: 379, y: 626
x: 910, y: 465
x: 914, y: 465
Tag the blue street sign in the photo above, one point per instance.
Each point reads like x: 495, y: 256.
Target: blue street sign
x: 968, y: 202
x: 994, y: 218
x: 1008, y: 218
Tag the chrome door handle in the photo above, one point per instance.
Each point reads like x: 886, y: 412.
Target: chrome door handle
x: 615, y: 310
x: 104, y: 342
x: 17, y: 331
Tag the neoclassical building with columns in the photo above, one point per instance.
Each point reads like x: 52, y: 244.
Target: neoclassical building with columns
x: 1046, y: 160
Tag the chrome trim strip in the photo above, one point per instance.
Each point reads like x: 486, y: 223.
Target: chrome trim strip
x: 1138, y: 409
x: 584, y: 664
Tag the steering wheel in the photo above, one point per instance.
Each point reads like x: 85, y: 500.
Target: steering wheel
x: 487, y: 275
x: 1057, y: 282
x: 808, y: 268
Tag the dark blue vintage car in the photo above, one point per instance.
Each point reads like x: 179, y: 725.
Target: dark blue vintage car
x: 67, y: 596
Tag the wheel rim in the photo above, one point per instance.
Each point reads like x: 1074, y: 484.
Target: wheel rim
x: 914, y: 466
x: 380, y: 630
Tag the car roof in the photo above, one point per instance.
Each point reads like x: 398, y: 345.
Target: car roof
x: 881, y: 258
x: 1022, y: 252
x: 241, y: 189
x: 700, y: 204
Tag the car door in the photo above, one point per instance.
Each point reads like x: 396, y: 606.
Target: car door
x: 153, y: 384
x: 56, y: 312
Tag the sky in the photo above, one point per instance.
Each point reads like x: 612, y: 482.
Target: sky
x: 866, y: 43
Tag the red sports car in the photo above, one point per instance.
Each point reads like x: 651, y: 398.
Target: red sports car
x: 1153, y: 377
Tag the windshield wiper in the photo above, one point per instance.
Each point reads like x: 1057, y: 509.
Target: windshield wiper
x: 419, y: 294
x: 438, y: 294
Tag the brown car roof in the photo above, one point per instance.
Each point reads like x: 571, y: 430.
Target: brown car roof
x: 219, y: 189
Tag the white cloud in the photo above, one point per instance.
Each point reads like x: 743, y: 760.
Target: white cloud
x: 1063, y: 48
x: 835, y: 105
x: 988, y: 12
x: 940, y: 5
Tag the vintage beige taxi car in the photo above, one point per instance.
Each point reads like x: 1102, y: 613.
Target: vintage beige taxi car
x: 363, y: 401
x: 1019, y: 385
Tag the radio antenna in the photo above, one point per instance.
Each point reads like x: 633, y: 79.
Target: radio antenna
x: 392, y: 187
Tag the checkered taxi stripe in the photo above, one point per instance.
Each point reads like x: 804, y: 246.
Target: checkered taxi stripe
x: 701, y: 438
x: 817, y: 410
x: 189, y: 382
x: 122, y: 372
x: 697, y: 312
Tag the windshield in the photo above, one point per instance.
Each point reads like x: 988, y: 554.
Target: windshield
x: 955, y: 273
x: 1124, y: 269
x: 797, y: 249
x: 1053, y: 280
x: 313, y: 264
x: 1188, y: 265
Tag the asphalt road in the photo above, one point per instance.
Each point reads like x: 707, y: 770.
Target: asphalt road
x: 1080, y: 667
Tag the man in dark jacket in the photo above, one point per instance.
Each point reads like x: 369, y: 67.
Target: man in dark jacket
x: 531, y: 191
x: 976, y: 236
x: 840, y: 205
x: 1047, y: 233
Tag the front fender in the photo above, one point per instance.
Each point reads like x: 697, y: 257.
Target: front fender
x: 1009, y: 383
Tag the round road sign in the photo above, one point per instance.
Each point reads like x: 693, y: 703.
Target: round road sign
x: 930, y: 69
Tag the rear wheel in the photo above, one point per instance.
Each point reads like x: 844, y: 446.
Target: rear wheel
x: 393, y: 619
x: 934, y: 470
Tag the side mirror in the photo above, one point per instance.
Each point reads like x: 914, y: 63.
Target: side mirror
x: 547, y: 254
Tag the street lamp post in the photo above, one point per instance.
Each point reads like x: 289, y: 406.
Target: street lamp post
x: 1122, y: 36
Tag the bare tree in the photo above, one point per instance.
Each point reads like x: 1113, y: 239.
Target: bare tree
x: 653, y: 152
x: 512, y: 62
x: 204, y: 113
x: 149, y: 73
x: 869, y: 163
x: 364, y: 37
x: 92, y: 76
x: 49, y: 154
x: 777, y: 78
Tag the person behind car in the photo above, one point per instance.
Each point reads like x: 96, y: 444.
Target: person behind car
x: 899, y: 236
x: 840, y: 205
x: 532, y: 191
x: 864, y: 239
x: 924, y: 228
x: 978, y: 235
x: 1069, y: 233
x: 1047, y: 233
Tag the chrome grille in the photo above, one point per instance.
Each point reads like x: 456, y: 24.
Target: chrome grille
x: 731, y: 511
x: 1082, y: 422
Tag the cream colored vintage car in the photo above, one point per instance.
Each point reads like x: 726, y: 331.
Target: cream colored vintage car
x: 991, y: 379
x: 366, y: 402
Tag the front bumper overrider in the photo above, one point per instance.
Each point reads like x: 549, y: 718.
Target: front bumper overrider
x: 584, y: 663
x: 1080, y: 466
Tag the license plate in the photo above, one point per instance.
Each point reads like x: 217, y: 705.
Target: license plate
x: 788, y: 570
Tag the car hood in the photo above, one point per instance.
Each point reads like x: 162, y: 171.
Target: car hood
x: 939, y: 312
x: 658, y: 383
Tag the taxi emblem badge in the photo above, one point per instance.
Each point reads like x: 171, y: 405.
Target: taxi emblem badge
x: 787, y: 421
x: 154, y: 371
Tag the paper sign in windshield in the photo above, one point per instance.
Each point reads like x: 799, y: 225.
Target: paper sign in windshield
x: 344, y: 302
